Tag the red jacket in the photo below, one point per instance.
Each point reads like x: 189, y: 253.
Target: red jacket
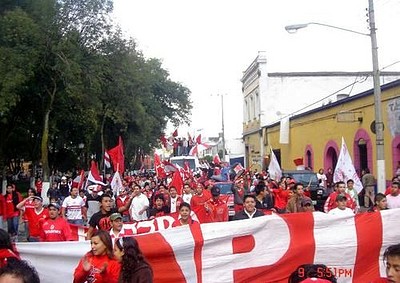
x: 2, y: 205
x: 218, y: 211
x: 197, y: 203
x: 56, y: 230
x: 11, y: 210
x: 121, y: 201
x: 109, y: 275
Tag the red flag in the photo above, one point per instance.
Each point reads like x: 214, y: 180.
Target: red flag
x: 175, y: 133
x: 177, y: 182
x: 78, y: 181
x: 188, y: 173
x: 117, y: 157
x: 163, y: 140
x: 158, y: 167
x: 198, y: 139
x: 94, y: 175
x: 216, y: 160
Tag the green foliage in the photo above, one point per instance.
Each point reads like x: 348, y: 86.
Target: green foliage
x: 68, y: 76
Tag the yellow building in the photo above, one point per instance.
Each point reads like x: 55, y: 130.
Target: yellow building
x: 268, y: 96
x: 316, y: 134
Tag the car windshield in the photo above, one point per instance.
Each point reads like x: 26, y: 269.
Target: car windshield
x: 181, y: 163
x: 224, y: 187
x: 305, y: 178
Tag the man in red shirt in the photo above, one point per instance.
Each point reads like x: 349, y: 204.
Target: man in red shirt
x: 35, y: 217
x: 55, y: 228
x: 122, y: 200
x: 217, y: 209
x: 198, y: 203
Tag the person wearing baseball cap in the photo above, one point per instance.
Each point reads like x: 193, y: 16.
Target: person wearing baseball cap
x: 34, y: 216
x: 55, y: 228
x: 216, y: 208
x: 341, y: 209
x: 117, y: 227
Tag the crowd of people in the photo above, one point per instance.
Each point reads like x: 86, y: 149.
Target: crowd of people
x: 143, y: 197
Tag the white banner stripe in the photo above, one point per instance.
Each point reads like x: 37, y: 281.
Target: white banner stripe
x: 390, y: 233
x: 336, y: 243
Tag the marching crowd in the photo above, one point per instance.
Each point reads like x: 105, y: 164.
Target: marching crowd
x: 144, y: 197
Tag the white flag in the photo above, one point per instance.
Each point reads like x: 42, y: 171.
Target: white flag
x: 116, y: 183
x: 345, y: 169
x: 274, y: 169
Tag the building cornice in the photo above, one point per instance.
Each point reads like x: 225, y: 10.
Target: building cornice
x: 329, y: 74
x: 369, y: 92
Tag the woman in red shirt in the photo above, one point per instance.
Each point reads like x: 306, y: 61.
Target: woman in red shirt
x: 12, y: 212
x: 98, y: 265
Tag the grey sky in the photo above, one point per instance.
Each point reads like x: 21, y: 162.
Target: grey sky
x: 207, y: 44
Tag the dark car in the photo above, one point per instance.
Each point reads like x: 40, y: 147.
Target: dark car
x: 309, y: 178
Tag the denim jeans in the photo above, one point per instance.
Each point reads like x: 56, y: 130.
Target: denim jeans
x: 12, y: 225
x: 76, y: 221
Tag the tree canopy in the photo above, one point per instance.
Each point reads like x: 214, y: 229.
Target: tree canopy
x: 71, y: 82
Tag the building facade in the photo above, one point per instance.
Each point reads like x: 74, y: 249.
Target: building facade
x: 269, y: 98
x: 316, y: 135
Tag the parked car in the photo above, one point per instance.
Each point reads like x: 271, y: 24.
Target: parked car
x: 227, y: 195
x: 309, y: 178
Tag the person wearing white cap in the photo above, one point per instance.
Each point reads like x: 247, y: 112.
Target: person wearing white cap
x: 35, y: 216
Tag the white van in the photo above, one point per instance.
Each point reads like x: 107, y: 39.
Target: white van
x: 193, y: 161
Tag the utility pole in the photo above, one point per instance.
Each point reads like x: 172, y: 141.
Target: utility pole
x: 379, y: 140
x: 223, y: 127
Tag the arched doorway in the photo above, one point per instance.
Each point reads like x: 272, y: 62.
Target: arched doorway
x: 363, y: 154
x: 331, y: 155
x: 362, y: 151
x: 309, y: 158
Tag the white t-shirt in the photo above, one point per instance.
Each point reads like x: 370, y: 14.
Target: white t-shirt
x: 173, y: 204
x: 393, y: 202
x: 138, y: 203
x: 187, y: 197
x: 73, y: 207
x: 339, y: 212
x: 323, y: 179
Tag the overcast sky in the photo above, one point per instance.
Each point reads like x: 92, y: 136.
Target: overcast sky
x: 206, y: 45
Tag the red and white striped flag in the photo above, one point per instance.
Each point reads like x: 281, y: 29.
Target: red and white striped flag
x: 94, y: 175
x: 107, y: 160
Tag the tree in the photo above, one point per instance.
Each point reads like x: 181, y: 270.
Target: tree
x: 68, y: 76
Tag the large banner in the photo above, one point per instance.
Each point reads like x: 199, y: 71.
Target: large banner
x: 263, y: 249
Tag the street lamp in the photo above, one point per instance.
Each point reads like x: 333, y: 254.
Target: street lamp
x: 379, y: 141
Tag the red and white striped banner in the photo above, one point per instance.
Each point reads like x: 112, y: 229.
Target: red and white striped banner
x: 263, y: 249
